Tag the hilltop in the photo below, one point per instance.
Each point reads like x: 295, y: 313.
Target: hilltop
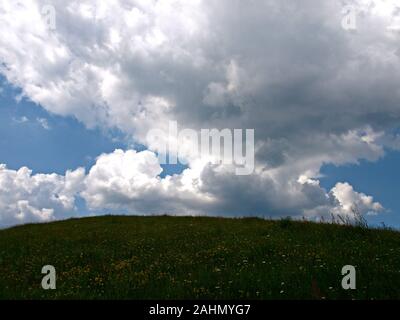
x: 129, y: 257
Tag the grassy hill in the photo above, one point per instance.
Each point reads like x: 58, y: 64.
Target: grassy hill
x: 187, y: 257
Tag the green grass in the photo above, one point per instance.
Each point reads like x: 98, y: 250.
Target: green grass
x: 197, y: 258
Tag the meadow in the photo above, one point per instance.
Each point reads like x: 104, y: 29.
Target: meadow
x: 122, y: 257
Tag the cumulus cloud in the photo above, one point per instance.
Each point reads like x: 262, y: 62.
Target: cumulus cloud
x: 27, y: 197
x: 350, y: 200
x: 313, y: 92
x: 121, y: 177
x: 130, y: 180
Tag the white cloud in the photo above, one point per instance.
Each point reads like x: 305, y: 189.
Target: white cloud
x: 43, y: 123
x: 350, y: 200
x: 27, y: 197
x: 20, y: 120
x: 121, y: 177
x: 130, y: 181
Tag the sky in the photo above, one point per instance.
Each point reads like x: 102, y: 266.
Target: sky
x: 82, y: 85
